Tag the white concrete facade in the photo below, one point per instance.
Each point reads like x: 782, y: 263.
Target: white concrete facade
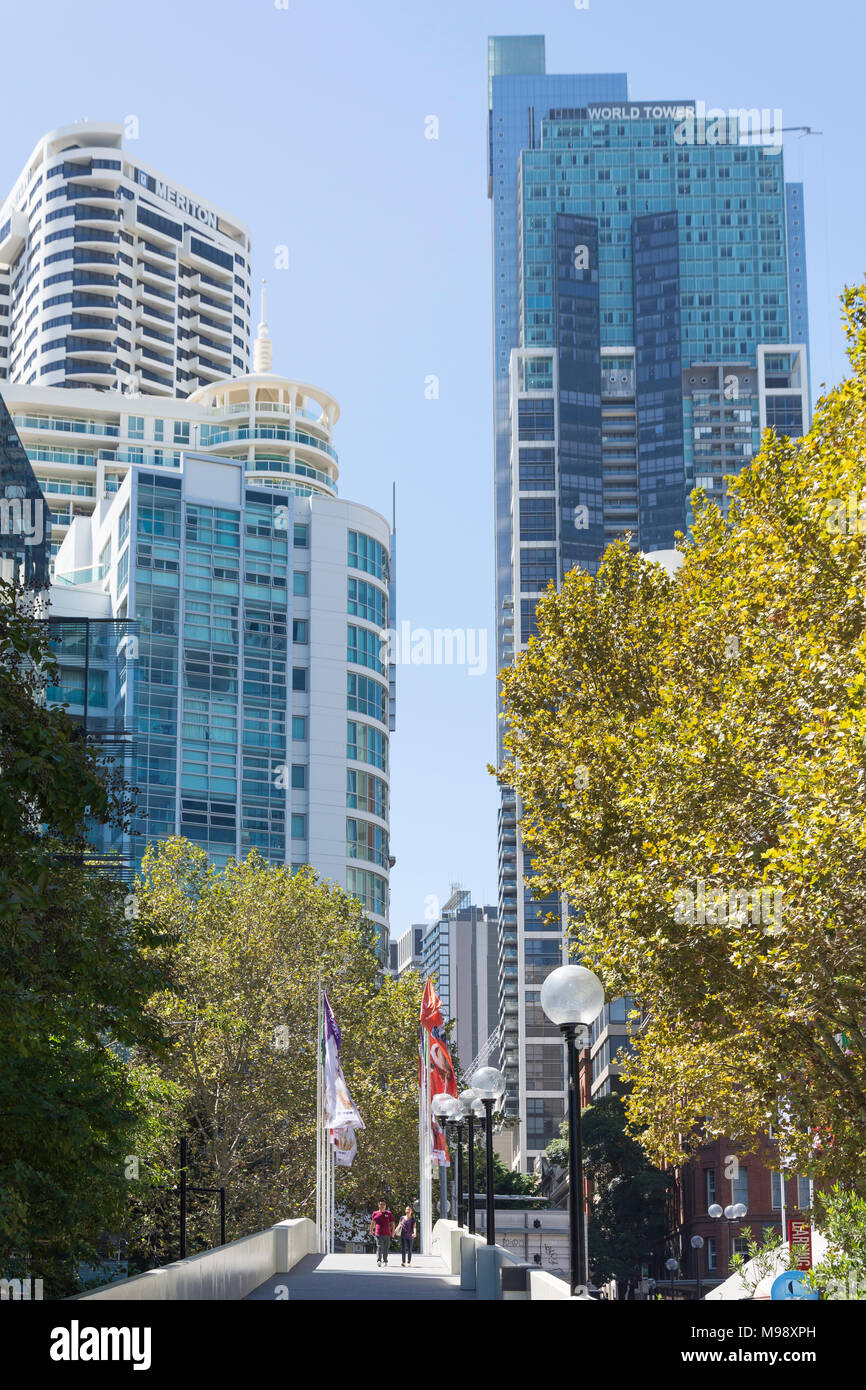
x: 114, y: 276
x: 313, y: 563
x: 82, y: 442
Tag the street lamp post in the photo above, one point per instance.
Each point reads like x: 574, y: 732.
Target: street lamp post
x: 735, y: 1211
x: 489, y: 1086
x: 459, y: 1117
x: 443, y: 1108
x: 468, y: 1098
x: 672, y: 1266
x: 697, y: 1244
x: 572, y: 997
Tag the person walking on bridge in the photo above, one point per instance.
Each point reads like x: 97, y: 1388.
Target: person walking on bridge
x: 381, y: 1226
x: 407, y: 1228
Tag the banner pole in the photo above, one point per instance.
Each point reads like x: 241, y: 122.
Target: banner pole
x: 319, y: 1126
x: 426, y: 1185
x: 428, y: 1166
x: 421, y: 1087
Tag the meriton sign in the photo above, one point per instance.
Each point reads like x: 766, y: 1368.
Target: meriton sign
x: 184, y: 203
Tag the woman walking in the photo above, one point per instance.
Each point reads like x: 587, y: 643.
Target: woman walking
x: 408, y: 1227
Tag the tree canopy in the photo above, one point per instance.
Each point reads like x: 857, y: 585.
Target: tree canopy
x: 241, y: 1016
x: 74, y: 976
x: 690, y: 752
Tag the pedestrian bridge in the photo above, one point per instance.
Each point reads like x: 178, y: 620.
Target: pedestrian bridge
x: 281, y: 1265
x: 357, y: 1277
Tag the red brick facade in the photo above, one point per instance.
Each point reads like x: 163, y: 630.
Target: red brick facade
x: 717, y: 1175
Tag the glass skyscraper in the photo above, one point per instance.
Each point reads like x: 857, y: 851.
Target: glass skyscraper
x: 649, y: 321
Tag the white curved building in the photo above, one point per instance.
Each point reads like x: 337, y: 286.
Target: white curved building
x: 113, y: 276
x: 257, y: 688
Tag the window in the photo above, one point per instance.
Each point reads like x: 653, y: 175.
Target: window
x: 135, y: 428
x: 301, y: 535
x: 536, y: 910
x: 300, y: 630
x: 364, y: 744
x: 299, y: 727
x: 301, y: 583
x: 777, y: 1190
x: 536, y: 470
x: 367, y: 841
x: 181, y: 431
x: 365, y: 792
x: 364, y: 648
x: 537, y: 518
x: 543, y: 1118
x: 528, y: 619
x: 299, y: 776
x: 123, y: 527
x: 367, y: 554
x: 540, y: 958
x: 366, y: 601
x: 369, y: 889
x: 299, y: 677
x: 544, y: 1067
x: 537, y: 569
x: 804, y: 1193
x: 740, y: 1187
x: 709, y: 1187
x: 538, y: 1025
x: 299, y: 826
x: 535, y: 419
x: 367, y: 696
x: 711, y: 1254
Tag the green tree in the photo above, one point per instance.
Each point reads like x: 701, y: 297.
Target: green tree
x: 74, y: 978
x: 628, y: 1213
x: 691, y: 755
x: 241, y: 1014
x: 841, y: 1216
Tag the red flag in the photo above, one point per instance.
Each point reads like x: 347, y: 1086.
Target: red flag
x: 440, y: 1154
x: 442, y: 1078
x: 431, y: 1009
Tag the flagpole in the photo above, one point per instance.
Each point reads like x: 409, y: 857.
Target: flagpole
x: 426, y: 1155
x: 319, y: 1126
x: 428, y: 1167
x: 421, y: 1087
x: 333, y: 1192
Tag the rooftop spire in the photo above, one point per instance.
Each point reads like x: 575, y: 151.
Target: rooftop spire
x: 263, y: 348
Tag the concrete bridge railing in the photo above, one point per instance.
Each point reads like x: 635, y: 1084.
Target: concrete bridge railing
x: 227, y: 1273
x: 492, y: 1271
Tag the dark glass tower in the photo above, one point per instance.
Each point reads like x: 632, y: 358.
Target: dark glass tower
x: 649, y: 321
x: 25, y: 521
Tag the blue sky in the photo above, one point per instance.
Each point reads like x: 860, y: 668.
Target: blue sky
x: 309, y: 123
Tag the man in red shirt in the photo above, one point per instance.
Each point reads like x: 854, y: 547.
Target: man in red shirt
x: 381, y: 1226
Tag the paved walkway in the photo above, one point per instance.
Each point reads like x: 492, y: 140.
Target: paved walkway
x: 344, y: 1277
